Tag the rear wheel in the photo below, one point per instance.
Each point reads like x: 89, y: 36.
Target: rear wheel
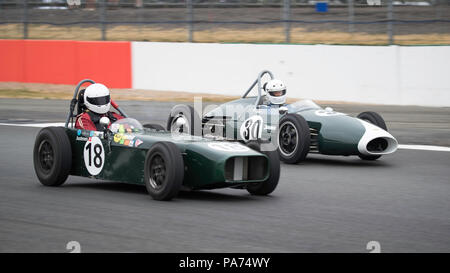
x: 52, y: 156
x: 164, y: 171
x: 293, y: 138
x: 268, y: 186
x: 183, y: 119
x: 375, y: 119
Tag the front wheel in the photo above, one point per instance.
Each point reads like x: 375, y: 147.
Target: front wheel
x: 293, y: 138
x: 164, y: 171
x: 268, y: 186
x: 52, y: 156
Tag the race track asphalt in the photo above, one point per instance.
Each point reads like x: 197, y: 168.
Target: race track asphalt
x: 326, y: 204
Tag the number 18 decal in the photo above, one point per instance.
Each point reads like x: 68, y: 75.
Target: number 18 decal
x: 94, y: 155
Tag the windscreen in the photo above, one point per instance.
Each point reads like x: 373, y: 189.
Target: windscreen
x: 302, y: 105
x: 126, y: 125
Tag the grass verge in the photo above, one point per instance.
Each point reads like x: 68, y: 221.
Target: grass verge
x: 217, y: 35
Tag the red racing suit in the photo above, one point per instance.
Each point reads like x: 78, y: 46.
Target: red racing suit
x: 90, y: 121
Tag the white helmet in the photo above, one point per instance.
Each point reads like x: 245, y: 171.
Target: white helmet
x: 97, y: 99
x: 276, y: 91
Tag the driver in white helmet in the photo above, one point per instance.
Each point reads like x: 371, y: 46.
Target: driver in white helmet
x: 275, y: 92
x: 97, y: 101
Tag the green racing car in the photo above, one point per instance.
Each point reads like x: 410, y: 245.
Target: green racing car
x: 148, y: 155
x: 294, y: 129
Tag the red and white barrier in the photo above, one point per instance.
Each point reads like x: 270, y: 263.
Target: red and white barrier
x: 398, y: 75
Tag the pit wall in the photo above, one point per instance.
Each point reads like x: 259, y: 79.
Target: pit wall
x: 400, y: 75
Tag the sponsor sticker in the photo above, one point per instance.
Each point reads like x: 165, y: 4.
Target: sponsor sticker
x: 117, y: 138
x: 138, y: 142
x: 80, y: 138
x: 327, y: 113
x: 124, y: 139
x: 79, y: 132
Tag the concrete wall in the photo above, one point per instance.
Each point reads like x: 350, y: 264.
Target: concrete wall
x: 366, y: 74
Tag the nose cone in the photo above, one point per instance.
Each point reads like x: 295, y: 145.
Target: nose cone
x: 376, y: 141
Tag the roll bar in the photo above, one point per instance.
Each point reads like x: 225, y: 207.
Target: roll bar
x: 258, y: 81
x: 74, y: 102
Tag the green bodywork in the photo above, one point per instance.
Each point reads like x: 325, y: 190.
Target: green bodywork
x: 337, y: 133
x: 204, y: 167
x: 236, y: 112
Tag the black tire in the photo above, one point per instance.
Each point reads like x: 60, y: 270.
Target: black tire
x: 154, y: 126
x: 270, y: 184
x: 294, y: 138
x: 191, y: 116
x: 163, y: 171
x: 375, y: 119
x: 52, y: 156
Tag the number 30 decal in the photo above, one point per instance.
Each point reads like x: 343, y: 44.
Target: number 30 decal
x: 94, y: 155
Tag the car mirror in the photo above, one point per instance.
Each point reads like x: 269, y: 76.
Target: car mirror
x: 104, y: 122
x: 329, y: 109
x: 283, y: 110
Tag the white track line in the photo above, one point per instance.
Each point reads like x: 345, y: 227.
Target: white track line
x: 39, y: 125
x: 400, y: 146
x: 424, y: 147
